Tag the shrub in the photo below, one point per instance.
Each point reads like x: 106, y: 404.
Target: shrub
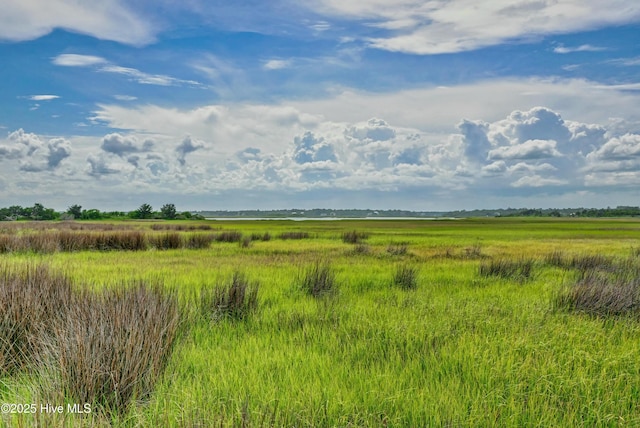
x: 318, y: 279
x: 406, y: 277
x: 506, y: 268
x: 235, y: 300
x: 354, y: 237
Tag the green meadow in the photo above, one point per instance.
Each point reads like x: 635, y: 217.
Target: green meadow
x: 473, y: 322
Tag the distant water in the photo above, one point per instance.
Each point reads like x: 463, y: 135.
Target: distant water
x: 322, y: 218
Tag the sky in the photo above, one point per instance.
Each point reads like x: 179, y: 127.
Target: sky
x: 373, y: 104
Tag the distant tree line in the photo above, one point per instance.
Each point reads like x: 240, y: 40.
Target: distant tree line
x: 620, y: 211
x: 76, y: 212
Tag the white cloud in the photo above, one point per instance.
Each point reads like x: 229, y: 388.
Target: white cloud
x: 537, y: 181
x: 146, y: 78
x: 34, y: 154
x: 76, y: 60
x: 582, y: 48
x: 125, y: 97
x: 43, y: 97
x: 531, y: 149
x: 435, y: 27
x: 107, y: 20
x: 277, y: 64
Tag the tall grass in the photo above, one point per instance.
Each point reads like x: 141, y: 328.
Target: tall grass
x: 406, y: 277
x: 104, y: 348
x: 318, y: 279
x: 519, y: 269
x: 32, y: 298
x: 354, y: 236
x: 604, y: 289
x: 235, y: 300
x: 113, y: 346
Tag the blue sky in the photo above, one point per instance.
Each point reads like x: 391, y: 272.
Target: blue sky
x: 439, y: 105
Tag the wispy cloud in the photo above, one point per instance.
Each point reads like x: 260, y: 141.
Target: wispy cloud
x: 277, y: 64
x: 77, y: 60
x: 582, y: 48
x: 43, y: 97
x: 102, y: 65
x: 147, y: 78
x: 627, y: 62
x: 418, y: 27
x: 125, y: 97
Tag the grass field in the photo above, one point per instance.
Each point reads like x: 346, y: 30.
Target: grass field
x: 479, y: 322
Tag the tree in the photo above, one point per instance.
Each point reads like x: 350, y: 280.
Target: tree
x: 168, y: 211
x: 75, y: 211
x: 144, y: 211
x: 37, y: 211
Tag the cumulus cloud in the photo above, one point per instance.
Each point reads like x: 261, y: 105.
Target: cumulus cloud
x: 414, y: 26
x: 99, y: 166
x: 124, y: 145
x: 34, y: 154
x: 375, y: 130
x: 188, y: 145
x: 530, y: 149
x: 108, y: 20
x: 626, y: 147
x: 309, y: 148
x: 59, y: 149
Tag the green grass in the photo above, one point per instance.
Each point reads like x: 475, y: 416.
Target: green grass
x: 465, y: 347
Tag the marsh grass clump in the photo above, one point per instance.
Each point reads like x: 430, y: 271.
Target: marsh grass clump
x: 354, y: 237
x: 261, y: 236
x: 229, y: 236
x: 361, y: 249
x: 406, y: 276
x: 245, y: 242
x: 294, y: 235
x: 318, y: 279
x: 473, y: 252
x: 609, y: 292
x: 113, y: 345
x: 103, y: 348
x: 198, y: 241
x: 166, y: 241
x: 400, y: 249
x: 587, y: 262
x: 557, y: 258
x: 520, y: 269
x: 31, y: 299
x: 235, y: 300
